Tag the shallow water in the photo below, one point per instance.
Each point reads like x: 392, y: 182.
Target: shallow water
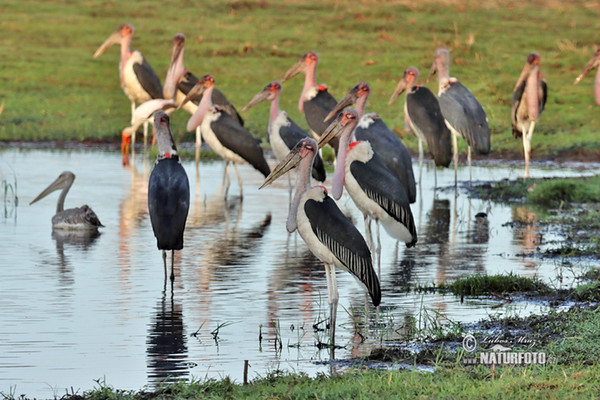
x: 80, y: 313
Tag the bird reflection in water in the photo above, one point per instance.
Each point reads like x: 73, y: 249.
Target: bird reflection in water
x: 167, y: 343
x: 74, y: 241
x: 526, y: 233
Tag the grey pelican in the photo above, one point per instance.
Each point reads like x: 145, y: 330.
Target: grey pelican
x: 138, y: 80
x: 168, y: 193
x: 180, y: 81
x: 375, y: 190
x: 82, y: 219
x: 528, y: 101
x: 383, y: 141
x: 423, y: 116
x: 223, y: 134
x: 284, y: 133
x: 462, y: 112
x: 331, y: 236
x: 594, y: 62
x: 315, y: 101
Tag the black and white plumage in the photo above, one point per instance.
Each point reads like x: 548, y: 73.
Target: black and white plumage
x: 80, y: 219
x: 138, y: 80
x: 423, y: 116
x: 528, y: 102
x: 375, y: 190
x: 464, y: 115
x: 315, y: 100
x: 331, y: 236
x: 284, y: 133
x: 384, y: 142
x: 223, y: 134
x: 594, y: 62
x: 168, y: 193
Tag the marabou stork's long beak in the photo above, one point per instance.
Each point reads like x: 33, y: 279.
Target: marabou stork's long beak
x: 594, y: 62
x: 348, y: 100
x: 400, y: 88
x: 334, y: 128
x: 65, y: 179
x: 297, y: 68
x: 290, y: 161
x: 114, y: 38
x: 432, y: 71
x: 195, y: 91
x: 261, y: 96
x: 176, y: 68
x: 524, y: 75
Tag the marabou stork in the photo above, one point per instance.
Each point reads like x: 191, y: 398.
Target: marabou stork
x: 284, y: 133
x: 331, y: 236
x: 423, y: 116
x: 168, y: 193
x: 223, y: 134
x: 462, y: 112
x: 138, y: 80
x: 383, y: 141
x: 315, y: 101
x: 81, y: 219
x: 375, y: 190
x: 528, y: 101
x: 594, y: 62
x: 180, y: 81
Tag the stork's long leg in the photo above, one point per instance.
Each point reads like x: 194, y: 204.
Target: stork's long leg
x: 172, y: 266
x: 420, y: 159
x: 164, y: 255
x: 333, y: 300
x: 226, y: 182
x: 378, y: 250
x: 198, y: 146
x: 469, y: 159
x: 239, y: 177
x: 455, y: 156
x: 527, y: 147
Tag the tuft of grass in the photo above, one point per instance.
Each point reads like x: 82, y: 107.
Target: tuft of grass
x: 478, y: 284
x: 552, y: 193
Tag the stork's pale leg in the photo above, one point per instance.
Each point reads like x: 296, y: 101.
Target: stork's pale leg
x: 198, y: 146
x: 239, y: 177
x: 333, y: 300
x: 527, y: 147
x: 455, y: 156
x: 172, y: 266
x: 420, y: 159
x: 368, y: 231
x: 133, y: 148
x: 378, y: 250
x: 132, y: 111
x: 469, y: 159
x: 164, y: 256
x: 225, y: 183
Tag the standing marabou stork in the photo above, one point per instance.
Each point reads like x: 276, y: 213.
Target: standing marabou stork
x: 375, y: 190
x: 180, y: 81
x: 284, y: 133
x: 223, y: 134
x: 331, y: 236
x: 462, y: 112
x: 81, y: 219
x: 168, y: 193
x: 423, y: 116
x: 528, y: 101
x: 315, y: 101
x: 594, y: 62
x: 138, y: 80
x: 383, y: 141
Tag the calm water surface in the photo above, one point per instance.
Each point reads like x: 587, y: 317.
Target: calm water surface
x: 78, y: 313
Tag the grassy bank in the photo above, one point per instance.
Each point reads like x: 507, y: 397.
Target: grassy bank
x: 54, y: 90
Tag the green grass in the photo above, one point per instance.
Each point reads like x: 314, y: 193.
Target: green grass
x: 479, y: 284
x: 54, y: 90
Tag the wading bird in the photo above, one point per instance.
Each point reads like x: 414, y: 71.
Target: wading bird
x: 180, y: 81
x: 284, y: 133
x: 138, y: 80
x: 383, y: 141
x: 223, y: 134
x: 331, y: 236
x: 168, y: 193
x: 462, y: 112
x: 375, y: 190
x: 528, y: 101
x: 315, y: 101
x: 82, y: 219
x: 423, y: 116
x: 594, y: 62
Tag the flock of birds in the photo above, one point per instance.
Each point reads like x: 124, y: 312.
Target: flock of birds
x: 371, y: 161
